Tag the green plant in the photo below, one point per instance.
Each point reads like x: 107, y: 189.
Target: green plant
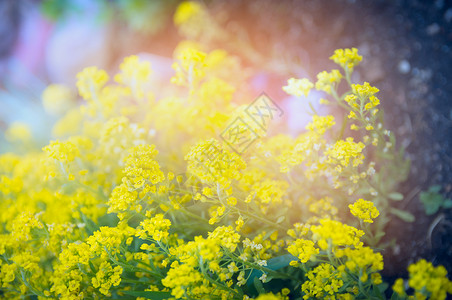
x: 433, y: 200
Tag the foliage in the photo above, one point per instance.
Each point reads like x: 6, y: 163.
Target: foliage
x: 433, y: 200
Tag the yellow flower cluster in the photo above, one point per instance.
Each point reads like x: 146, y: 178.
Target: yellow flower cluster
x: 90, y: 81
x: 362, y: 261
x: 106, y: 277
x: 323, y: 282
x: 298, y: 87
x: 347, y: 58
x: 365, y: 210
x: 303, y: 249
x: 137, y: 196
x: 212, y: 162
x: 334, y: 233
x: 57, y: 99
x: 328, y: 81
x: 156, y: 228
x: 344, y: 152
x: 62, y: 151
x: 428, y: 282
x: 134, y: 74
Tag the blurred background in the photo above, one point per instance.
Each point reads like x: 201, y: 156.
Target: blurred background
x: 407, y: 49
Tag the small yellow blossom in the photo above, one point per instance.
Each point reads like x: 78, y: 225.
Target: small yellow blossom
x: 90, y: 81
x: 328, y: 81
x: 347, y: 58
x: 298, y: 87
x: 303, y: 249
x: 57, y: 99
x: 187, y: 10
x: 365, y: 210
x: 18, y: 132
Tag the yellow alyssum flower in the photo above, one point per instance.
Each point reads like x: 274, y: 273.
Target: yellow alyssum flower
x: 428, y: 280
x: 180, y: 278
x: 211, y: 162
x: 347, y: 58
x: 344, y: 152
x: 90, y: 81
x: 364, y: 90
x: 320, y: 124
x: 106, y: 277
x: 328, y: 81
x: 135, y: 74
x: 57, y: 99
x: 323, y: 281
x: 399, y: 287
x: 141, y: 166
x: 337, y: 233
x: 228, y: 237
x: 365, y: 210
x: 362, y: 259
x: 155, y: 228
x: 298, y: 87
x: 18, y: 132
x: 269, y: 296
x: 187, y: 10
x: 190, y: 67
x: 303, y: 249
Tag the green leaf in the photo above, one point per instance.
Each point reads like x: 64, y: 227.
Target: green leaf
x: 149, y: 294
x: 274, y: 264
x: 395, y: 196
x: 280, y: 219
x: 447, y: 203
x: 383, y: 287
x: 434, y: 189
x: 279, y: 262
x: 380, y: 234
x: 404, y: 215
x: 432, y: 200
x: 259, y: 286
x: 432, y: 208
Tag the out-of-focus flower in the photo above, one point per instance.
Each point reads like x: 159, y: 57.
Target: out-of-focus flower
x: 298, y: 87
x: 57, y: 99
x: 18, y: 132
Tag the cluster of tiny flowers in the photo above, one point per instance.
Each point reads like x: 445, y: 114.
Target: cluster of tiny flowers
x: 365, y: 210
x: 138, y: 197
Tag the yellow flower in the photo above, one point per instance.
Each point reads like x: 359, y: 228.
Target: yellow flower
x: 190, y: 67
x: 90, y: 81
x: 328, y: 82
x: 298, y: 87
x: 156, y: 228
x: 428, y: 280
x: 364, y: 91
x: 135, y: 74
x: 365, y: 210
x: 57, y: 99
x: 323, y: 281
x: 399, y: 287
x: 186, y: 11
x: 303, y: 249
x: 210, y: 162
x: 62, y: 151
x: 339, y: 234
x: 269, y: 296
x: 361, y: 259
x: 344, y: 152
x: 320, y: 124
x: 106, y: 277
x: 346, y: 58
x: 18, y: 132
